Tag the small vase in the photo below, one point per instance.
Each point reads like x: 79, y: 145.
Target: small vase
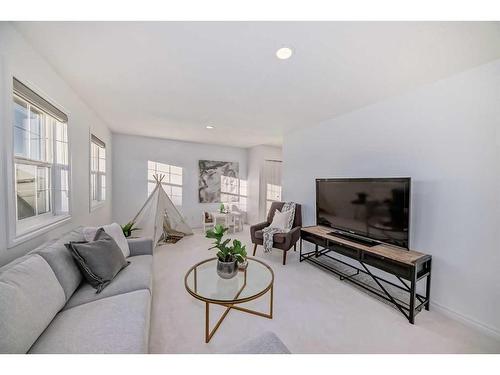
x: 227, y: 270
x: 243, y: 266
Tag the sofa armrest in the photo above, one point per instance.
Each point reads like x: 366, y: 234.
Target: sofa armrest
x: 291, y: 238
x: 140, y: 246
x: 254, y: 228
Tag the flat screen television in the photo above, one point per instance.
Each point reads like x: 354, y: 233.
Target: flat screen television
x: 367, y: 208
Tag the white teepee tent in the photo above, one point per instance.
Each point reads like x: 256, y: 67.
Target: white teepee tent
x: 158, y: 218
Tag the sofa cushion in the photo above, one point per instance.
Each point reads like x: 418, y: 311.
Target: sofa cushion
x: 62, y: 263
x: 118, y: 324
x: 277, y: 238
x: 74, y: 235
x: 99, y: 260
x: 115, y: 231
x: 60, y: 260
x: 20, y: 259
x: 30, y: 297
x: 138, y: 275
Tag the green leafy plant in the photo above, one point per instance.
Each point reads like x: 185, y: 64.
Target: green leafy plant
x: 128, y: 228
x: 231, y: 253
x: 221, y: 208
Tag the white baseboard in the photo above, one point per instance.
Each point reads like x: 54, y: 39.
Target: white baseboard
x: 467, y: 320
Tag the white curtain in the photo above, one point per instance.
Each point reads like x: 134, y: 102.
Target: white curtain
x: 271, y: 185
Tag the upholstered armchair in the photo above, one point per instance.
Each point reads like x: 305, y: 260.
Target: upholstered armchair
x: 283, y: 241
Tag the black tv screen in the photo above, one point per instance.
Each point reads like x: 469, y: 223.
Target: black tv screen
x: 377, y: 208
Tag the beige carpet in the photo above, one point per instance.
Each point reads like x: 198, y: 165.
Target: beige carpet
x: 314, y: 312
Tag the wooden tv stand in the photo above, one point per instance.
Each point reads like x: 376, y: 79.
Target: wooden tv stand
x: 403, y: 264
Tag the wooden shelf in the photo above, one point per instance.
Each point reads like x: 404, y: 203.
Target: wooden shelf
x: 395, y: 253
x: 401, y: 263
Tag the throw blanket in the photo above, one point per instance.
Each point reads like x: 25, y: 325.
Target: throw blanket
x: 268, y: 232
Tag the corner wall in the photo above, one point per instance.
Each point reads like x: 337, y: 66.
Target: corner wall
x: 446, y: 137
x: 256, y: 190
x: 19, y: 59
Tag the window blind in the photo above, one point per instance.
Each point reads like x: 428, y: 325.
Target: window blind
x: 97, y: 141
x: 27, y: 94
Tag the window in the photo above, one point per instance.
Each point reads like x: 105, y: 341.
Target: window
x: 172, y: 182
x: 41, y: 163
x: 97, y: 171
x: 273, y: 194
x: 243, y: 196
x: 234, y: 191
x: 229, y: 189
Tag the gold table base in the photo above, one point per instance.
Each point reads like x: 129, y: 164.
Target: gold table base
x: 209, y: 333
x: 231, y: 304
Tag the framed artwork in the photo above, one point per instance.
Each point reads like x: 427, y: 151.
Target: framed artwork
x: 218, y: 181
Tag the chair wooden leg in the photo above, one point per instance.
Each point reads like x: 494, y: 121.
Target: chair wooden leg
x: 254, y: 249
x: 284, y: 257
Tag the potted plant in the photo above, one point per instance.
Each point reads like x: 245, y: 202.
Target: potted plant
x: 128, y: 228
x: 229, y: 255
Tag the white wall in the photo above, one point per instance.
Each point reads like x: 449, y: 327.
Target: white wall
x: 256, y: 191
x: 130, y: 160
x: 19, y: 59
x: 446, y: 137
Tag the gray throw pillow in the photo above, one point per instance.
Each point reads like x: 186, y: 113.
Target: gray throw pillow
x: 99, y: 260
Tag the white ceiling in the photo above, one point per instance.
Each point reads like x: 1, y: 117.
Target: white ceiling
x: 171, y: 79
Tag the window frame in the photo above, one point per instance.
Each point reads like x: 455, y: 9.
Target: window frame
x: 273, y: 188
x: 229, y: 194
x: 50, y: 212
x: 241, y: 200
x: 181, y: 186
x: 243, y: 195
x: 95, y: 204
x: 39, y: 224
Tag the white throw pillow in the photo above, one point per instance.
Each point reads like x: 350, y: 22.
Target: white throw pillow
x: 115, y: 231
x: 281, y: 219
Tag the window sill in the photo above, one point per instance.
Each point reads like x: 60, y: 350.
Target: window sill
x: 96, y: 206
x: 37, y: 230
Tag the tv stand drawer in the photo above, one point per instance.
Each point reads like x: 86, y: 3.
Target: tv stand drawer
x: 314, y: 239
x: 344, y: 250
x: 388, y: 265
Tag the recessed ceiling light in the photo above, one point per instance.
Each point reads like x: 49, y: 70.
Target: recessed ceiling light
x: 284, y: 53
x: 210, y: 127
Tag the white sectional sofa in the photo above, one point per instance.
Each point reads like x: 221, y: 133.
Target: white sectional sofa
x: 47, y: 307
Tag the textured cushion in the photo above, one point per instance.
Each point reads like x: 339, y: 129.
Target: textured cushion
x: 118, y: 324
x: 99, y: 260
x: 281, y: 219
x: 267, y: 343
x: 277, y: 238
x: 115, y: 231
x: 12, y: 263
x: 62, y: 263
x: 23, y: 258
x: 74, y: 235
x: 138, y: 275
x: 30, y: 297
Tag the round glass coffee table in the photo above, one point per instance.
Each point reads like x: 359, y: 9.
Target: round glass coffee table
x: 203, y: 283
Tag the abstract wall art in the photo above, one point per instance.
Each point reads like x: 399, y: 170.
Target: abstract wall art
x: 218, y: 181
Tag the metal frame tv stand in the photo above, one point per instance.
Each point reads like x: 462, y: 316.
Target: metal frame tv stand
x: 403, y: 264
